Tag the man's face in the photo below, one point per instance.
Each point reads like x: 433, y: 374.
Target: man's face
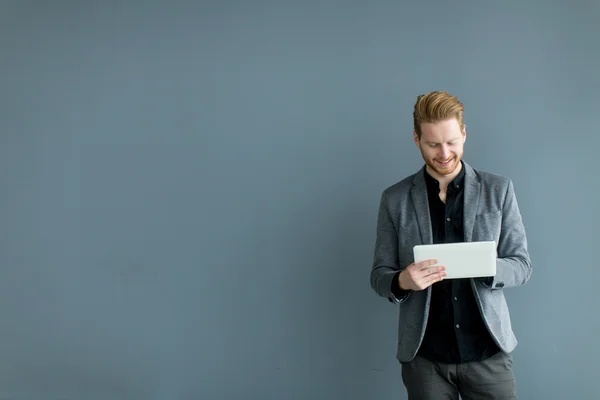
x: 441, y: 145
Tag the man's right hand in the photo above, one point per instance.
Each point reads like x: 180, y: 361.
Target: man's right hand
x: 421, y: 275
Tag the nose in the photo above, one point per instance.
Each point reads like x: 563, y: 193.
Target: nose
x: 444, y: 152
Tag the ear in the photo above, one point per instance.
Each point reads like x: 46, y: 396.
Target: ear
x: 464, y: 132
x: 416, y: 138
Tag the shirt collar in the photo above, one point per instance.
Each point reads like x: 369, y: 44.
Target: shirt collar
x: 456, y: 183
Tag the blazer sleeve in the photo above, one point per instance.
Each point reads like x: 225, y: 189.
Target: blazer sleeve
x: 385, y: 262
x: 513, y: 266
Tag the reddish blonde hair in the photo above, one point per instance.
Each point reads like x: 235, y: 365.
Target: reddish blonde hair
x: 436, y: 107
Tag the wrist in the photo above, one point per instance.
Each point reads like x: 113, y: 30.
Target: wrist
x: 400, y: 281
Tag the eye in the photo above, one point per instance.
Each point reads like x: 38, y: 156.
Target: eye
x: 434, y: 144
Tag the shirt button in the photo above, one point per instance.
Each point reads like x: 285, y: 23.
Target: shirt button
x: 457, y: 326
x: 448, y: 219
x: 456, y: 298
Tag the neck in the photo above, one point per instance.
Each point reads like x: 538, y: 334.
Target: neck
x: 444, y: 180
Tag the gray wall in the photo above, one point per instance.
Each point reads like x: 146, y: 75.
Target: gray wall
x: 189, y: 190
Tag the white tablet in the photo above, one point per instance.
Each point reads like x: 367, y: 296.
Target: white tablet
x: 462, y: 260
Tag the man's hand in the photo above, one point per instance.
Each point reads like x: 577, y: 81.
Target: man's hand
x: 421, y: 275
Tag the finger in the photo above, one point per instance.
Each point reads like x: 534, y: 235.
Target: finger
x: 431, y: 273
x: 424, y: 284
x: 434, y: 270
x: 438, y: 277
x: 433, y: 278
x: 429, y: 277
x: 426, y: 263
x: 425, y: 272
x: 426, y: 276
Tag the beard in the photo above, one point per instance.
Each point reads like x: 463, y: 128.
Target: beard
x: 440, y: 169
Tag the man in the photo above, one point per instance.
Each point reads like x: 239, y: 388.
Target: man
x: 454, y: 336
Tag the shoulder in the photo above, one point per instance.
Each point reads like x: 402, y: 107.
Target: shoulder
x: 396, y: 196
x: 490, y: 178
x: 400, y: 188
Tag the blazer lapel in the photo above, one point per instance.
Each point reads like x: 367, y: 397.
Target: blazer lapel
x: 471, y: 201
x: 421, y: 204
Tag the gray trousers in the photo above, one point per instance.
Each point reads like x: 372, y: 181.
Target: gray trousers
x: 491, y: 379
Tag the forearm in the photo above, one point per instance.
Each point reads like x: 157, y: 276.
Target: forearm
x: 385, y: 282
x: 385, y: 269
x: 381, y: 280
x: 511, y: 272
x: 513, y: 265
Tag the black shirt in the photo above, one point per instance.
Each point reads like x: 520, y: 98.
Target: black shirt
x: 455, y: 331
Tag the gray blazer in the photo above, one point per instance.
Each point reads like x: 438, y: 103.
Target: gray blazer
x: 490, y: 213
